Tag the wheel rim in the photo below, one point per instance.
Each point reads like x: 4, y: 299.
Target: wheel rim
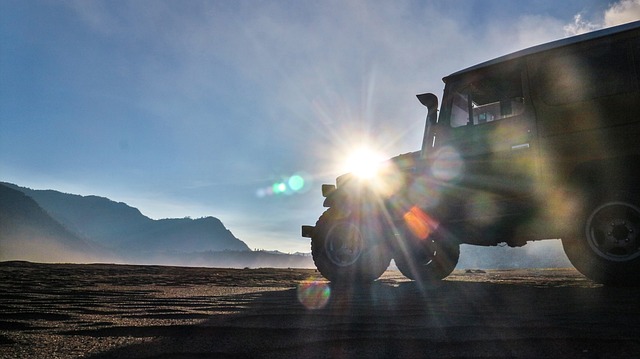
x: 344, y: 244
x: 612, y: 231
x: 426, y: 254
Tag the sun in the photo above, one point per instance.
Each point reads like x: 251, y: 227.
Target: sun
x: 363, y: 162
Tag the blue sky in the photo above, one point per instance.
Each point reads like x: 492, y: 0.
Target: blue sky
x: 196, y: 108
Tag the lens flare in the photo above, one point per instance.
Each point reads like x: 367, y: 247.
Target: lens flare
x: 288, y: 185
x: 482, y: 208
x: 279, y: 187
x: 420, y: 223
x: 296, y: 183
x: 314, y: 294
x: 447, y: 164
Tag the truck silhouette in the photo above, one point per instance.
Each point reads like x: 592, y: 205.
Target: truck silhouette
x: 543, y: 143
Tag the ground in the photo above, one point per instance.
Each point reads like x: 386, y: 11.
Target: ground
x: 116, y: 311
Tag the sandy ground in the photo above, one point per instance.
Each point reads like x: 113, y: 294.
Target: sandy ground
x: 114, y: 311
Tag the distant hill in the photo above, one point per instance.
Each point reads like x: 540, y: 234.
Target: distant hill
x: 27, y: 232
x: 185, y: 235
x: 124, y: 229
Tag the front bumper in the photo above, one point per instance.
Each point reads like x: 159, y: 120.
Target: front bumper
x: 307, y: 231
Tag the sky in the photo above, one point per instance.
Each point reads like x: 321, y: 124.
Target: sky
x: 240, y: 109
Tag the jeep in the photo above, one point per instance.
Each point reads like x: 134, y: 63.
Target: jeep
x: 543, y: 143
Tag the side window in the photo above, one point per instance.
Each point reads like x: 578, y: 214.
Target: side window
x: 584, y: 74
x: 486, y: 98
x: 508, y: 107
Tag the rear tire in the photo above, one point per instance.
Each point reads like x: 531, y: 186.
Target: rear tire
x: 605, y: 245
x: 349, y: 250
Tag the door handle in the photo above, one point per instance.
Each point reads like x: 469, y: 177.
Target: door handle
x: 520, y: 146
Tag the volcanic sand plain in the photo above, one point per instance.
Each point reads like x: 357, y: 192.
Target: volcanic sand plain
x: 124, y: 311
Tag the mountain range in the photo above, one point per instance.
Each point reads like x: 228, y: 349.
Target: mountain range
x: 47, y: 225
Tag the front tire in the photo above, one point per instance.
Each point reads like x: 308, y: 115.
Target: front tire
x: 427, y: 261
x: 605, y: 246
x: 348, y: 249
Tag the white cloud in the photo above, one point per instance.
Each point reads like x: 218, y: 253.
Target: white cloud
x: 618, y: 13
x: 622, y: 12
x: 580, y: 26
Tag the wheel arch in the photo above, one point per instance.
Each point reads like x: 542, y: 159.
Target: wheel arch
x: 600, y: 183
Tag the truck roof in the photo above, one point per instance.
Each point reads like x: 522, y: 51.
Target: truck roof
x: 549, y: 46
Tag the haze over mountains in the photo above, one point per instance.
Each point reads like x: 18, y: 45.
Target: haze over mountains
x: 28, y: 232
x: 50, y: 226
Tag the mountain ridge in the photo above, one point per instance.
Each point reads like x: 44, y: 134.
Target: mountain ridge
x: 125, y: 230
x: 27, y: 230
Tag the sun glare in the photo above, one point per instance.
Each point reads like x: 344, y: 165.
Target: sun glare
x: 364, y: 162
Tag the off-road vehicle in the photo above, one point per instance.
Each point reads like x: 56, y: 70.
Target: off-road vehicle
x: 543, y: 143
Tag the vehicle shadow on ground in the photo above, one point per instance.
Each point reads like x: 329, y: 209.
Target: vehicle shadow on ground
x: 452, y: 319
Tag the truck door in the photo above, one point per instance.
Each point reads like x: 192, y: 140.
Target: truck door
x: 490, y: 123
